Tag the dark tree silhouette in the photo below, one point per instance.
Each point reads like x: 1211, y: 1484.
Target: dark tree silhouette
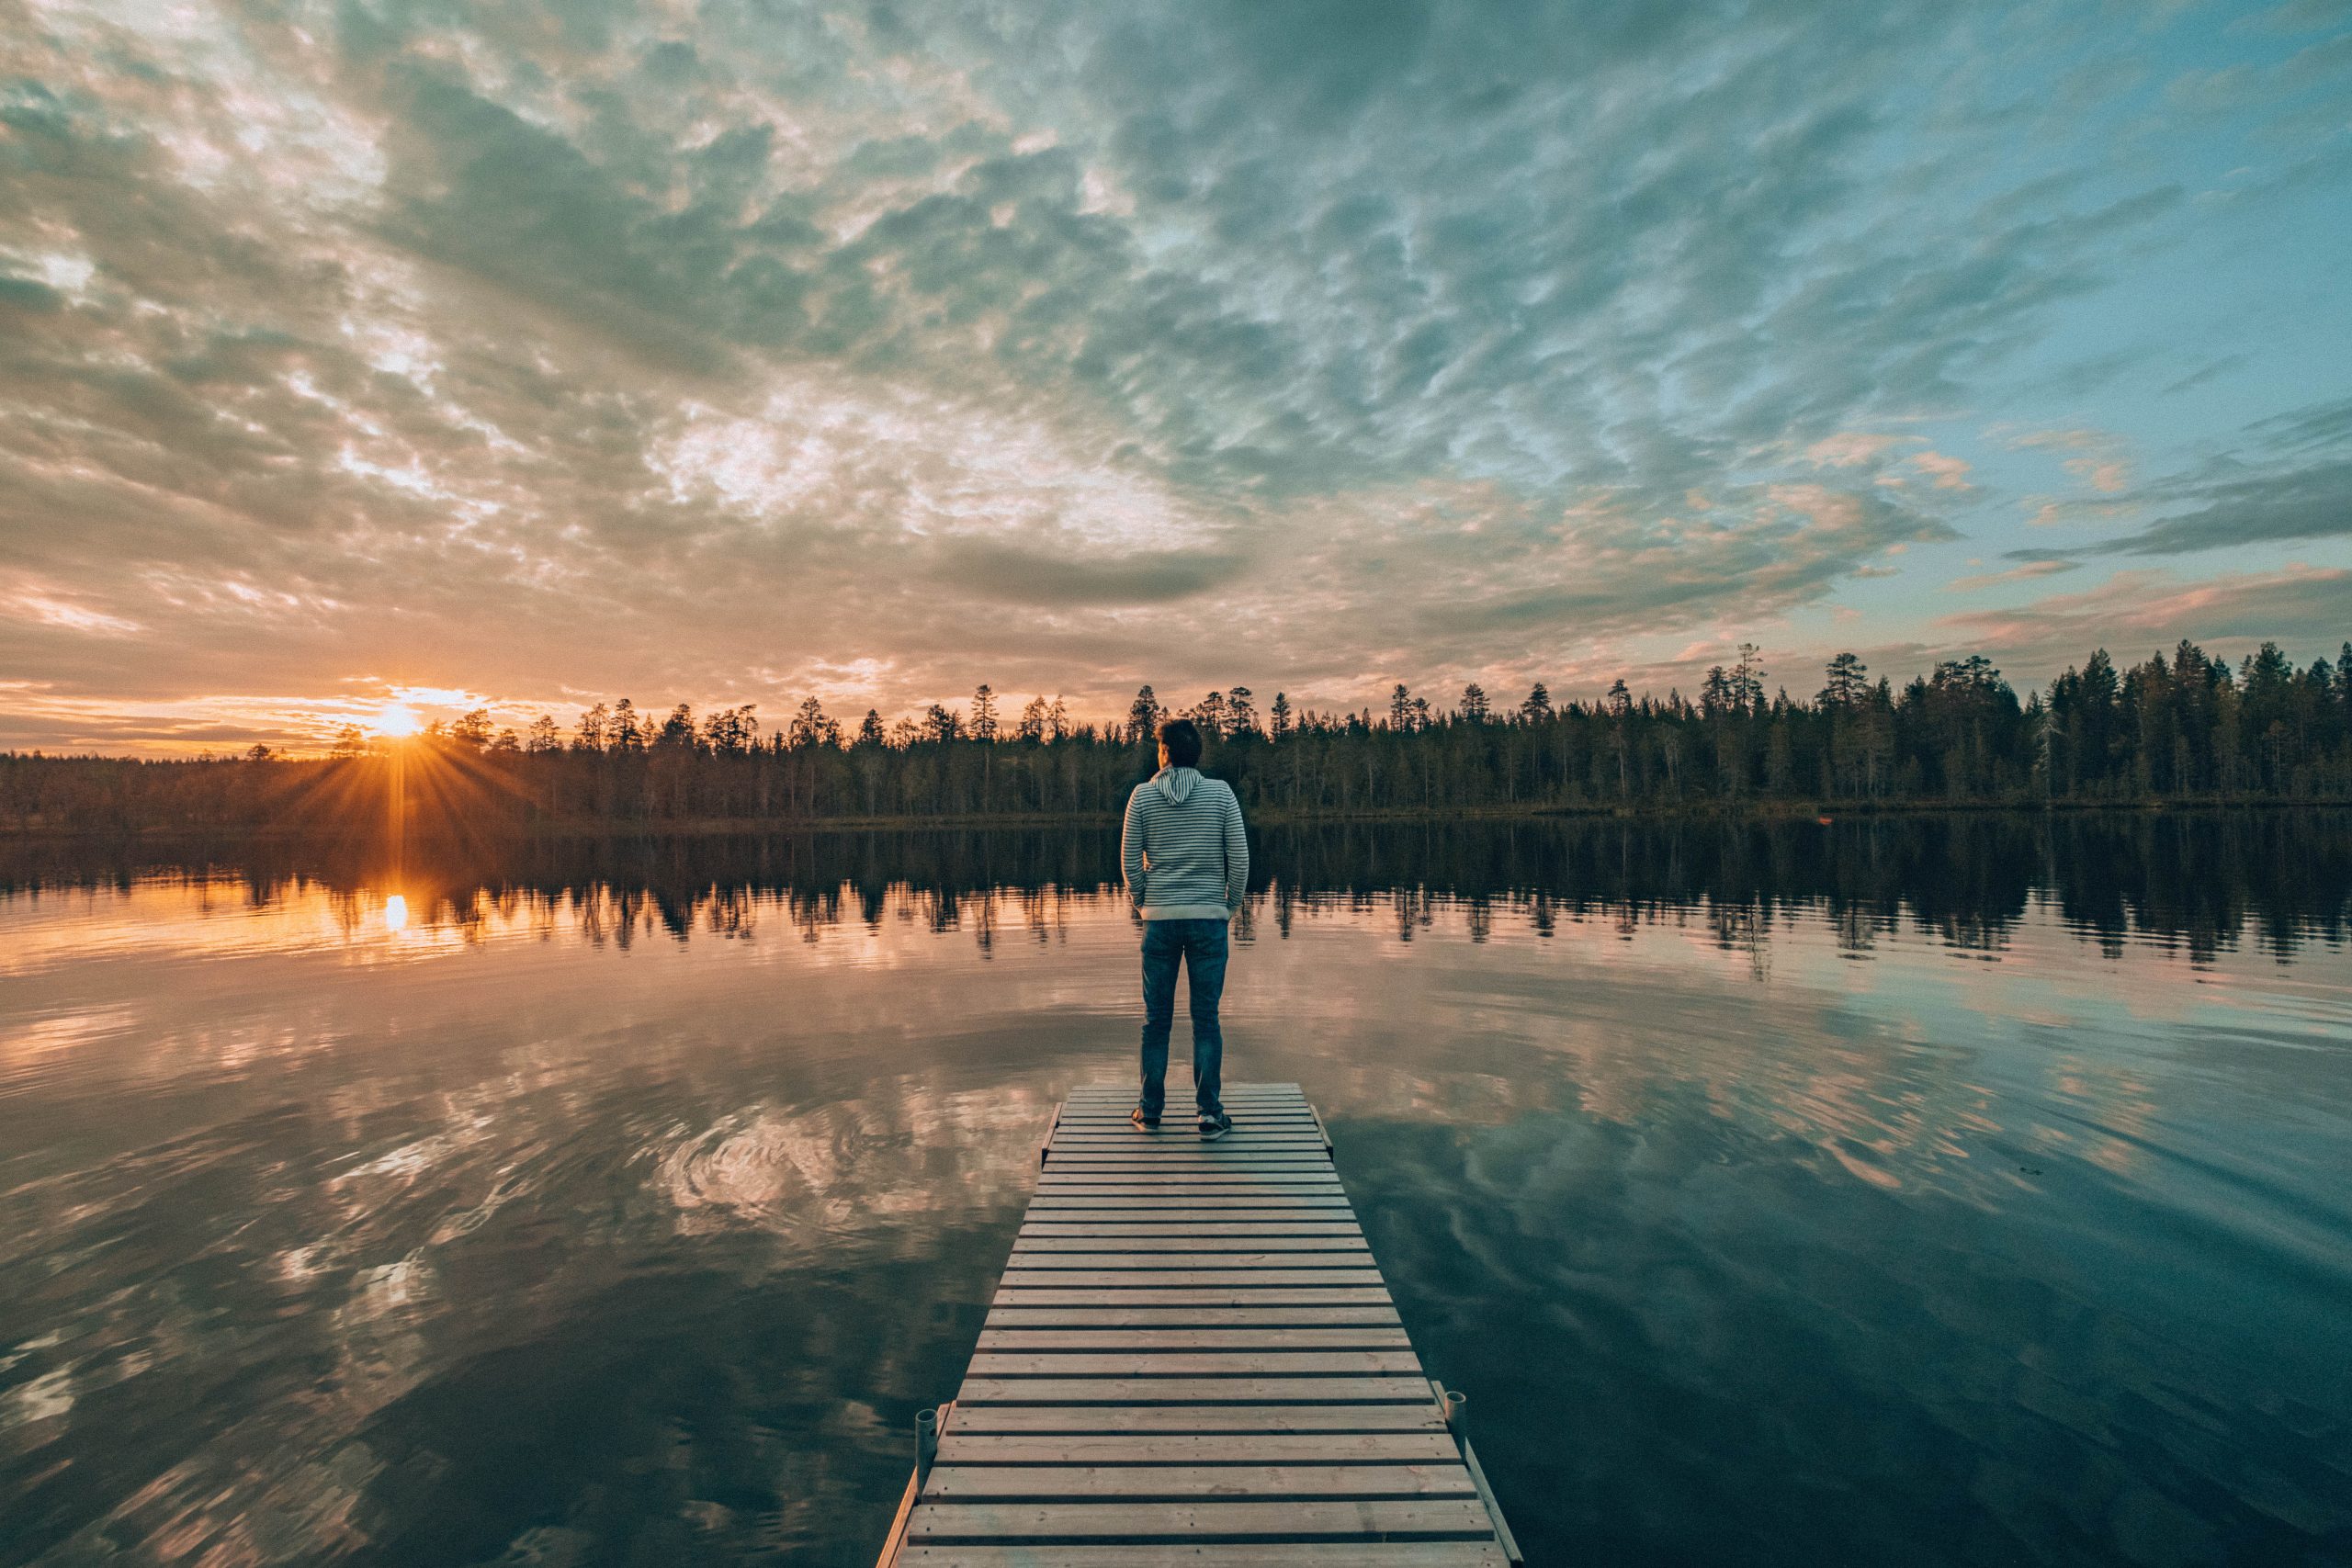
x: 2181, y: 727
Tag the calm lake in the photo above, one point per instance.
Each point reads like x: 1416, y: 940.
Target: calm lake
x: 1967, y: 1190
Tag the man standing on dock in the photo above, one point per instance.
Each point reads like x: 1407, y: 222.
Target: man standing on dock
x: 1187, y: 866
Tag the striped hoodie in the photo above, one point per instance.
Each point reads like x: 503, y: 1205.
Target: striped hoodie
x: 1183, y: 848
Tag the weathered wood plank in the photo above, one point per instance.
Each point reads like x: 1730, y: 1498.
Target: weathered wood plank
x: 1183, y: 1177
x: 1178, y: 1112
x: 1217, y: 1554
x: 1170, y: 1258
x: 1257, y: 1294
x: 1241, y: 1336
x: 1080, y: 1482
x: 1117, y: 1090
x: 1188, y: 1241
x: 1252, y: 1163
x: 1243, y: 1139
x: 1154, y: 1167
x: 1135, y: 1278
x: 1204, y: 1317
x: 1178, y: 1183
x: 1195, y: 1449
x: 1240, y: 1141
x: 1081, y: 1419
x: 1442, y: 1518
x: 1167, y: 1188
x: 1174, y: 1212
x: 1138, y: 1363
x: 1178, y: 1127
x: 1046, y: 1202
x: 1049, y: 1230
x: 1182, y: 1125
x: 1234, y: 1145
x: 1226, y: 1152
x: 1200, y: 1391
x: 1119, y: 1100
x: 1154, y: 1216
x: 1163, y: 1170
x: 1171, y: 1194
x: 1062, y: 1168
x: 1116, y: 1112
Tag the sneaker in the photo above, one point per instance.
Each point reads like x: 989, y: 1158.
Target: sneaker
x: 1214, y: 1124
x: 1144, y: 1118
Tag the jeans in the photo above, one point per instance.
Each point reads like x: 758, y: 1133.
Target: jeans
x: 1200, y: 946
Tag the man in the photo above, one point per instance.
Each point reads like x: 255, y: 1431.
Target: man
x: 1187, y: 866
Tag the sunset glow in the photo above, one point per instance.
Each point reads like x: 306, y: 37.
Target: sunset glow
x: 394, y: 722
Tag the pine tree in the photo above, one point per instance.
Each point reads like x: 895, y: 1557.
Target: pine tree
x: 984, y: 713
x: 810, y: 725
x: 1240, y: 718
x: 1536, y: 708
x: 1032, y: 726
x: 625, y: 733
x: 1143, y: 717
x: 1748, y: 679
x: 1474, y: 702
x: 1280, y: 712
x: 1844, y: 683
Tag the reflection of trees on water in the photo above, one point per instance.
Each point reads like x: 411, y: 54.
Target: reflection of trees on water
x: 2197, y: 879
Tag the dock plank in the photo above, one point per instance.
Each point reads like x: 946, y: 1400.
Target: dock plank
x: 1196, y: 1448
x: 1200, y: 1418
x: 1216, y: 1555
x: 1197, y: 1390
x: 1141, y: 1362
x: 1009, y: 1318
x: 1199, y: 1229
x: 1241, y: 1336
x: 1184, y: 1243
x: 961, y: 1482
x: 1260, y: 1295
x: 1453, y: 1518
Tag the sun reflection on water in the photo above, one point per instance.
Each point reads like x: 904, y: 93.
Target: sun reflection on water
x: 396, y: 913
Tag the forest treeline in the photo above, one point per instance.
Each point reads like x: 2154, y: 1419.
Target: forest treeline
x: 2183, y: 727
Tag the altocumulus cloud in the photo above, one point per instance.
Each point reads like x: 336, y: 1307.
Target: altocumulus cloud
x: 713, y: 350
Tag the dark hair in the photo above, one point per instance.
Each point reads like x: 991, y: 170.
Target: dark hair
x: 1182, y: 740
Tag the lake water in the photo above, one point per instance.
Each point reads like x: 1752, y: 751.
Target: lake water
x: 1966, y: 1190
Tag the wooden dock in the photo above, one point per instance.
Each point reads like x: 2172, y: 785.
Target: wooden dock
x: 1192, y: 1357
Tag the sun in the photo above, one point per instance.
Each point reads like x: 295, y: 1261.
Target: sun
x: 394, y: 722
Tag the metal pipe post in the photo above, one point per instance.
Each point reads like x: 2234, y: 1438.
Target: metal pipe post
x: 926, y: 1443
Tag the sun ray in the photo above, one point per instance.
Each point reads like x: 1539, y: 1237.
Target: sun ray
x: 395, y: 721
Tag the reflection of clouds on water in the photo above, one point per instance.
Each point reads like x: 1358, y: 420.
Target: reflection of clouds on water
x: 39, y: 1399
x: 306, y: 1232
x: 853, y: 1165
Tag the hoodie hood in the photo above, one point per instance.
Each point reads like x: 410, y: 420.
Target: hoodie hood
x: 1175, y: 784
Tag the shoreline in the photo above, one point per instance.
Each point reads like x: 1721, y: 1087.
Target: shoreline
x: 1760, y: 812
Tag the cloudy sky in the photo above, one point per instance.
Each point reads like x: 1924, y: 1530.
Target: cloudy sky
x: 741, y: 350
